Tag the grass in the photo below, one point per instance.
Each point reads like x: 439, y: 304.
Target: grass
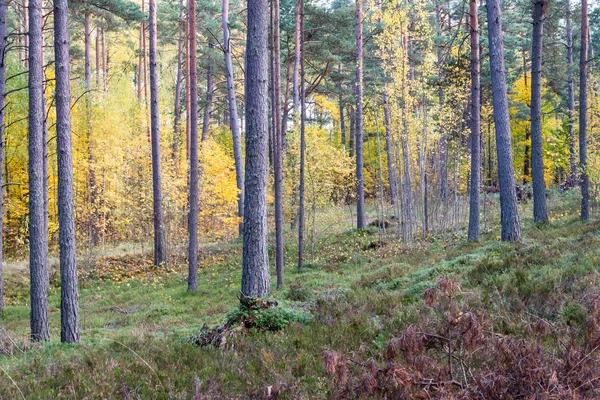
x: 353, y: 296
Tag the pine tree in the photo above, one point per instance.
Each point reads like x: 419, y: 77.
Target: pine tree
x: 69, y: 304
x: 583, y: 59
x: 360, y: 173
x: 159, y: 236
x: 233, y: 112
x: 509, y: 214
x: 194, y: 172
x: 540, y: 214
x: 255, y: 261
x: 3, y: 65
x: 475, y: 175
x: 38, y: 237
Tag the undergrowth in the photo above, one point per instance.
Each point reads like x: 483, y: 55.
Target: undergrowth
x: 441, y: 318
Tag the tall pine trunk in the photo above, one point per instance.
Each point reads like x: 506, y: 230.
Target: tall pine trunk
x: 509, y: 213
x: 93, y: 190
x: 571, y: 101
x: 38, y: 237
x: 87, y: 50
x: 277, y: 145
x: 69, y: 301
x: 475, y: 174
x: 255, y: 262
x: 583, y: 58
x: 194, y: 172
x: 301, y: 190
x: 443, y: 144
x: 159, y: 236
x: 3, y: 64
x: 540, y: 214
x: 297, y: 33
x: 388, y: 146
x: 233, y: 113
x: 360, y: 173
x: 178, y: 80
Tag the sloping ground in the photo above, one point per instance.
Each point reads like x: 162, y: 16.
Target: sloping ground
x: 439, y: 319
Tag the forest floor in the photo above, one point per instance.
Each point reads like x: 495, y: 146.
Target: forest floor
x: 365, y: 317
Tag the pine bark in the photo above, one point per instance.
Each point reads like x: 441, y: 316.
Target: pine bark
x: 297, y: 33
x: 583, y: 58
x: 388, y: 146
x: 360, y: 174
x: 179, y: 78
x: 443, y: 144
x: 509, y: 215
x: 352, y: 117
x: 38, y: 238
x: 3, y: 65
x: 475, y: 175
x: 104, y: 60
x: 26, y: 34
x: 87, y: 50
x: 159, y: 236
x: 255, y: 262
x: 233, y: 113
x: 301, y: 190
x: 69, y: 304
x: 571, y: 101
x: 98, y: 50
x: 277, y: 146
x: 341, y: 107
x: 194, y: 171
x: 540, y: 214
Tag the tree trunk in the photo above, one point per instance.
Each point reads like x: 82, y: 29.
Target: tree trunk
x: 300, y: 11
x: 159, y: 236
x: 98, y: 50
x: 509, y: 213
x: 188, y: 95
x: 297, y: 33
x: 38, y: 238
x: 352, y: 116
x: 140, y: 67
x: 87, y: 51
x: 583, y: 58
x: 537, y: 157
x: 526, y: 156
x: 194, y: 172
x: 93, y: 217
x: 233, y: 113
x: 69, y: 304
x: 407, y: 213
x: 255, y: 262
x: 360, y: 174
x: 388, y: 146
x: 177, y: 105
x: 104, y: 60
x: 209, y: 96
x: 26, y: 34
x: 144, y: 63
x: 341, y: 106
x: 571, y: 102
x: 277, y: 145
x: 285, y: 105
x: 443, y: 145
x: 475, y: 183
x: 3, y: 65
